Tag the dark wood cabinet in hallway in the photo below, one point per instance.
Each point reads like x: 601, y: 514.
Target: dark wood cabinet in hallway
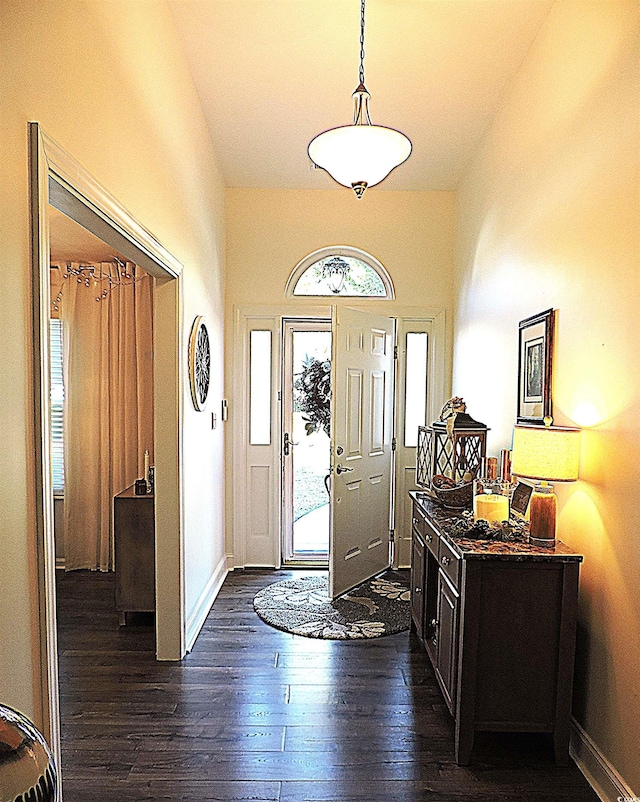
x: 257, y: 714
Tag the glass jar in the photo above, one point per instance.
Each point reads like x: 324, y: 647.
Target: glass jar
x: 491, y: 500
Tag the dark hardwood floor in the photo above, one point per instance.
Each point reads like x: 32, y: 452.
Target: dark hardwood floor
x: 257, y: 714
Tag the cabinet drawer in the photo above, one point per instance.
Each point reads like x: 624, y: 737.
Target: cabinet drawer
x: 449, y: 562
x: 431, y: 538
x: 426, y: 531
x: 418, y: 520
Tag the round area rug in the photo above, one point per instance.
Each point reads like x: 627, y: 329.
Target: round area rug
x: 378, y: 607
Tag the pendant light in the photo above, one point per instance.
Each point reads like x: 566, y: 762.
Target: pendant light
x: 360, y: 155
x: 335, y: 272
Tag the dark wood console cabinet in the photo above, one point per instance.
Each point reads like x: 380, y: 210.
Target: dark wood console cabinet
x: 498, y: 621
x: 134, y: 543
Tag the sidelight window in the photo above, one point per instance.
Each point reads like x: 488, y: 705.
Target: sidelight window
x: 260, y: 388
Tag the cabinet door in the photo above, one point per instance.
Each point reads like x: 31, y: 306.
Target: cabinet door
x: 447, y: 639
x: 134, y: 534
x: 417, y: 582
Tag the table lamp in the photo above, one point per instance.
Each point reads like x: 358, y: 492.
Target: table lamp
x: 548, y: 454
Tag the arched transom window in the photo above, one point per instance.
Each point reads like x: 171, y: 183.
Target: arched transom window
x: 340, y: 271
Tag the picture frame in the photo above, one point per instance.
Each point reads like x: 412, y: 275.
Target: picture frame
x: 520, y: 499
x: 535, y: 358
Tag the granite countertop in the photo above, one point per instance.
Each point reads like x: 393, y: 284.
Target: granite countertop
x: 468, y: 548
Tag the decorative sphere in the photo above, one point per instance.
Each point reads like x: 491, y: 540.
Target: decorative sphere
x: 27, y: 768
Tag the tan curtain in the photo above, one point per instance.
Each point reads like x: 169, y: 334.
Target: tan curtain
x: 108, y: 376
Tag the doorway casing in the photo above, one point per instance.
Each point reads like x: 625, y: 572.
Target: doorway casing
x: 256, y: 470
x: 56, y: 178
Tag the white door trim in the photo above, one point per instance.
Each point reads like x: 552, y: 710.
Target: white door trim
x: 55, y: 176
x: 270, y: 318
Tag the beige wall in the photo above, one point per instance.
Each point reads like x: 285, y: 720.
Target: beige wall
x: 549, y: 216
x: 270, y: 231
x: 107, y: 81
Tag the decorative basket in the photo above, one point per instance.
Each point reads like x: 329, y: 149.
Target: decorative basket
x: 452, y: 496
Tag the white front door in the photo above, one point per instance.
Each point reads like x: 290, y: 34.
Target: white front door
x: 361, y: 435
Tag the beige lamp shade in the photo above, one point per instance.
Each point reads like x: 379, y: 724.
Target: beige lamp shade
x: 549, y: 453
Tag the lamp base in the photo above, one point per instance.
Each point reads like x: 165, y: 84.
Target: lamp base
x: 542, y: 508
x: 543, y: 542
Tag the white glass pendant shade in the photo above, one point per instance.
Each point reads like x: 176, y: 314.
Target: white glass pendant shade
x: 356, y: 155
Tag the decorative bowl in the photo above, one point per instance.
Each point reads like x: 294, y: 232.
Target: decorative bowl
x: 451, y: 495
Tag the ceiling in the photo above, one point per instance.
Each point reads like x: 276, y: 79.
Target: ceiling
x: 71, y: 242
x: 271, y: 74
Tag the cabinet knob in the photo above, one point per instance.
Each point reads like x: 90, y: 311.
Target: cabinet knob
x: 415, y: 522
x: 445, y: 560
x: 435, y: 623
x: 418, y: 590
x: 429, y: 538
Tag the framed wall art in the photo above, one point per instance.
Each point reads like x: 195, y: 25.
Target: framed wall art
x: 199, y: 363
x: 535, y: 356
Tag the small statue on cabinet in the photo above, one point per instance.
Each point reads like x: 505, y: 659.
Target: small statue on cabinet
x: 450, y: 412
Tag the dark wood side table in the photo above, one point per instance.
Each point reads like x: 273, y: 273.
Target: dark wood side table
x: 134, y: 540
x: 498, y: 622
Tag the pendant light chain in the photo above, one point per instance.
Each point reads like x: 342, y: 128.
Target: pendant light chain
x: 362, y: 42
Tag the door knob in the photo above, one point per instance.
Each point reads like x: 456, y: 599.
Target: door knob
x: 340, y: 469
x: 287, y: 444
x: 327, y: 486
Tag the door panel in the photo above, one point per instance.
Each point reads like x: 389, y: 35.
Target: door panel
x: 354, y: 413
x: 376, y: 413
x: 361, y: 432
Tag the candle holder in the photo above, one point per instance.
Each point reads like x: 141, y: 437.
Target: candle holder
x: 491, y: 500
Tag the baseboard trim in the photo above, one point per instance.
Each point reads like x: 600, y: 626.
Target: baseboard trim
x: 207, y: 598
x: 600, y: 774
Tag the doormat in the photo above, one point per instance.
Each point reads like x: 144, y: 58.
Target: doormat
x: 302, y: 606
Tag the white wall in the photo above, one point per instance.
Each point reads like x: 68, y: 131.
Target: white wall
x: 549, y: 216
x: 108, y: 81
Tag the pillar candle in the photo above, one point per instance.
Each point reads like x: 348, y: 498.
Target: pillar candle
x: 505, y: 465
x: 491, y: 506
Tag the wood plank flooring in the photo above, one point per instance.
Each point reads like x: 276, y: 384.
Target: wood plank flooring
x: 257, y: 714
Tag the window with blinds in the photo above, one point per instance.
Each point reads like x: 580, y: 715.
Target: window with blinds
x: 57, y: 406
